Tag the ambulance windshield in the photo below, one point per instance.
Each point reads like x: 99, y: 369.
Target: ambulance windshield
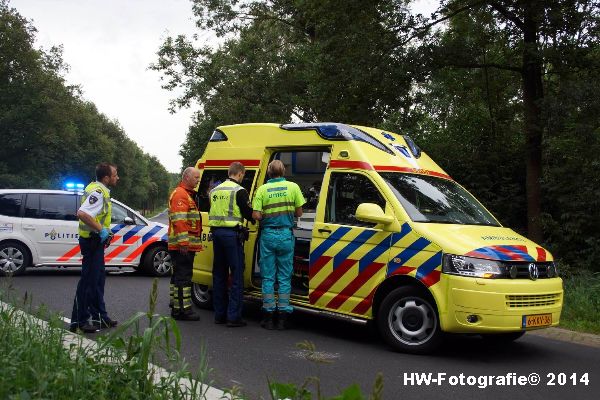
x: 436, y: 200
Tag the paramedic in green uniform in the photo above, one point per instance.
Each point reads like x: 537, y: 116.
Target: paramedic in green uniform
x: 275, y: 205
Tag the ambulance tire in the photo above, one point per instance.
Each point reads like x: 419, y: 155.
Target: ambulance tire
x: 202, y: 296
x: 502, y: 338
x: 14, y: 258
x: 157, y: 262
x: 408, y: 321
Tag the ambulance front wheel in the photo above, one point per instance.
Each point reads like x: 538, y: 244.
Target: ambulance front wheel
x: 408, y: 321
x: 201, y: 296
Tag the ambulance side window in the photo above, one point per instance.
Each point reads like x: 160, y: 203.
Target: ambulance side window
x: 214, y: 177
x: 346, y: 191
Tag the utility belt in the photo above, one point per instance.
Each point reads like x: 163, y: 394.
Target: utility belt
x: 243, y: 233
x: 95, y: 240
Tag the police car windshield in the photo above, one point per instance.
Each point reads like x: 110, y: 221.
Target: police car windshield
x: 436, y: 200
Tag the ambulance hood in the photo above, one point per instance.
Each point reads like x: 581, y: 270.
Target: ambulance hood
x: 488, y: 242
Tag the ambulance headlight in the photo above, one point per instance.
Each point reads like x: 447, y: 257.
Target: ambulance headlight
x: 469, y: 266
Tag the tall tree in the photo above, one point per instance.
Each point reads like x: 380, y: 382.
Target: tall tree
x: 533, y: 28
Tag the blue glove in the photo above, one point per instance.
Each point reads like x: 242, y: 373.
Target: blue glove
x: 103, y: 235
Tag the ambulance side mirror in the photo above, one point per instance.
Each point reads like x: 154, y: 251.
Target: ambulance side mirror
x: 371, y: 212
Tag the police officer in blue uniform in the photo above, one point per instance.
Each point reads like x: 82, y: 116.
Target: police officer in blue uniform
x: 94, y: 234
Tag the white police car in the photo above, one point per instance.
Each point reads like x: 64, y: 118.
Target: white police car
x: 39, y: 228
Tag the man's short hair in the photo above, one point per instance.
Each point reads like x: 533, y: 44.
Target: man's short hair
x: 235, y: 168
x: 104, y: 169
x: 276, y: 169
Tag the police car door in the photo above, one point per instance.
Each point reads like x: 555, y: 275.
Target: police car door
x: 128, y: 233
x: 50, y: 221
x: 348, y: 257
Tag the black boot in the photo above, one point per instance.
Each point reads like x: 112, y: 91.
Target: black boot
x: 282, y: 317
x: 267, y: 321
x: 186, y: 315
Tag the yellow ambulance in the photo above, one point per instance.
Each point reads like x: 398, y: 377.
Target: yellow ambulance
x: 386, y: 236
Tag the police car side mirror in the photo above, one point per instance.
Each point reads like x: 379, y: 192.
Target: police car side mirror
x: 128, y: 221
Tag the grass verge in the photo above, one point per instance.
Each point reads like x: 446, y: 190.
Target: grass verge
x: 581, y: 310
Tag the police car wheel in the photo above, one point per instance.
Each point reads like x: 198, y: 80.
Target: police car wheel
x: 158, y: 262
x: 408, y: 321
x: 201, y: 296
x: 14, y: 258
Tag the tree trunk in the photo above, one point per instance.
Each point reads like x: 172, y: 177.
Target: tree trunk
x: 532, y: 97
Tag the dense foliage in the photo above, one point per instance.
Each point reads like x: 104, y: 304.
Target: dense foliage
x: 501, y: 93
x: 49, y: 134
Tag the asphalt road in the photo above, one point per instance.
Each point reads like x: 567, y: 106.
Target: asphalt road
x: 247, y: 357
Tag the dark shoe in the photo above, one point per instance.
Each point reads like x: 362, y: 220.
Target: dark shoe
x: 186, y: 316
x: 282, y: 320
x: 220, y: 321
x: 105, y: 323
x: 267, y: 321
x: 87, y: 328
x: 236, y: 324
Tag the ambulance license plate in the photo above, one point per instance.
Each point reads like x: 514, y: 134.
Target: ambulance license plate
x: 534, y: 321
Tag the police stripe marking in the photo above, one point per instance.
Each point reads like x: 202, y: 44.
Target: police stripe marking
x: 151, y: 233
x: 132, y: 232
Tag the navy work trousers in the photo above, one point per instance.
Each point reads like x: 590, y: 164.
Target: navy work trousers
x: 228, y: 258
x: 89, y: 297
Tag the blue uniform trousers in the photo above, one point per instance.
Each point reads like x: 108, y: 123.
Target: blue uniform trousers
x: 276, y: 259
x: 89, y: 297
x: 228, y: 258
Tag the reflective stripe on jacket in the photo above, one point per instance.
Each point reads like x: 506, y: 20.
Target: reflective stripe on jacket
x: 103, y: 217
x: 185, y: 223
x: 224, y: 211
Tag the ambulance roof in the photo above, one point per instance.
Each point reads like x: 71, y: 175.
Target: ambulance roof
x: 351, y: 146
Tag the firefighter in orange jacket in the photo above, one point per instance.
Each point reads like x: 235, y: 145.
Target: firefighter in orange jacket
x: 185, y: 227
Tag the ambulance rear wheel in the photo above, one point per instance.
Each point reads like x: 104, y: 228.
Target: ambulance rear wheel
x: 14, y: 258
x: 201, y: 296
x: 408, y: 321
x: 157, y: 262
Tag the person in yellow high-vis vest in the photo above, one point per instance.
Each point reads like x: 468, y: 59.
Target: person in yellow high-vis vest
x: 229, y: 206
x: 94, y: 233
x: 185, y: 227
x: 275, y: 205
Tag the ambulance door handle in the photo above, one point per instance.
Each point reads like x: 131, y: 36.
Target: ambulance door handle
x: 323, y: 230
x: 28, y: 227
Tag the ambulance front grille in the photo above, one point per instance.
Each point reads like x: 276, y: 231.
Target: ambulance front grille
x: 532, y: 300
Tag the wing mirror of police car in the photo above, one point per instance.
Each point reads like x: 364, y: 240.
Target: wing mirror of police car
x: 128, y: 221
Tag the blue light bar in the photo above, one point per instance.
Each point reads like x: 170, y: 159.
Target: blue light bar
x: 73, y: 186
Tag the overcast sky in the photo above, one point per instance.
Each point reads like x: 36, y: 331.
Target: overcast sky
x: 109, y: 45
